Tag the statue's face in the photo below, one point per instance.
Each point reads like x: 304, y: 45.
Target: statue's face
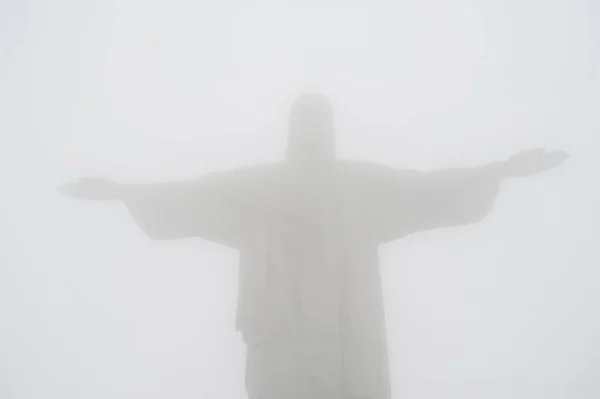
x: 311, y: 129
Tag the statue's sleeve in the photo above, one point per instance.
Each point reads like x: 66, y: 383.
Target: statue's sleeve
x: 214, y: 208
x: 405, y: 202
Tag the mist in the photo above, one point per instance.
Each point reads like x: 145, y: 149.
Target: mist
x: 146, y: 91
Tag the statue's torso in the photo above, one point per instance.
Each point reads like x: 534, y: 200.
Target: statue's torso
x: 312, y: 273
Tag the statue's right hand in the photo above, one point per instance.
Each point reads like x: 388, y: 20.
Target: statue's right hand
x: 91, y: 189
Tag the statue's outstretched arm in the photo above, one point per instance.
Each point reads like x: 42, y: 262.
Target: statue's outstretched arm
x: 522, y: 164
x: 404, y: 202
x: 208, y: 207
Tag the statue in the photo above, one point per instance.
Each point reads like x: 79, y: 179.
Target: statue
x: 310, y: 305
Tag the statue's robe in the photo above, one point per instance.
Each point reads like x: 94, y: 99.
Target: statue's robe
x: 310, y: 303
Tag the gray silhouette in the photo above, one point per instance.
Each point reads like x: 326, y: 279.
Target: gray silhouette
x: 308, y: 229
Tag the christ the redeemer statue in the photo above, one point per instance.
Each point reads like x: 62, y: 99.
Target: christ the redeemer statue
x: 308, y: 229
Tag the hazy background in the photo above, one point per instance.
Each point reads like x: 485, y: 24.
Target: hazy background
x: 144, y: 91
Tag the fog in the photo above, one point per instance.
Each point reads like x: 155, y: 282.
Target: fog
x: 146, y: 91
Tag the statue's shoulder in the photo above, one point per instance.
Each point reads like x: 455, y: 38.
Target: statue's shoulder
x: 353, y: 169
x: 258, y: 172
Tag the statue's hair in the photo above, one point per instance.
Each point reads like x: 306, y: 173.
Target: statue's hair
x: 309, y: 105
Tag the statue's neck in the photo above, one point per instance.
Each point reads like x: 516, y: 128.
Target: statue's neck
x: 311, y: 170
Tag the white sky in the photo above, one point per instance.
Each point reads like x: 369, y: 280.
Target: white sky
x: 143, y: 91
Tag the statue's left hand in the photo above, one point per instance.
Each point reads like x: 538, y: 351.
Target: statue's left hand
x: 92, y: 189
x: 534, y: 161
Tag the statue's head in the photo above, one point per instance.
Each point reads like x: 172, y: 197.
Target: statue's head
x: 311, y: 137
